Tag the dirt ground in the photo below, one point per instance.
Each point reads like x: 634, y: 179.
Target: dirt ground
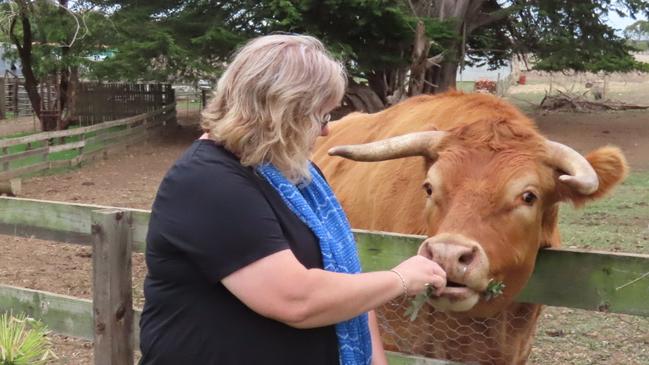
x: 16, y: 125
x: 130, y: 179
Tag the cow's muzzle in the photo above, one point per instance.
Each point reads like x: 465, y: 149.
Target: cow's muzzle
x: 467, y: 270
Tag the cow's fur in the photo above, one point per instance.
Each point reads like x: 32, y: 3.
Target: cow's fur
x: 490, y: 144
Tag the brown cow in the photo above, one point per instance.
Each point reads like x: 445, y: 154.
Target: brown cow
x: 473, y: 174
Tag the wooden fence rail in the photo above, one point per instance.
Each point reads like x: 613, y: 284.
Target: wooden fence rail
x: 96, y: 102
x: 612, y: 282
x: 43, y: 151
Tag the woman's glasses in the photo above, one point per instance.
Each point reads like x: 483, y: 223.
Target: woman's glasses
x: 325, y: 120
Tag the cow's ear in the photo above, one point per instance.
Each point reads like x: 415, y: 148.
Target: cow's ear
x: 611, y: 168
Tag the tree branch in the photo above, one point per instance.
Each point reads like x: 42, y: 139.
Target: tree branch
x: 435, y: 60
x: 13, y: 36
x: 27, y: 35
x: 481, y: 19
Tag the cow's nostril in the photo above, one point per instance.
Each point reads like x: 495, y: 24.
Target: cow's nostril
x: 467, y: 258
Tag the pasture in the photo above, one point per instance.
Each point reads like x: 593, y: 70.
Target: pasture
x: 564, y: 336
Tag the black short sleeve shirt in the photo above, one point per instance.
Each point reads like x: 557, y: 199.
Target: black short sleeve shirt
x: 211, y: 217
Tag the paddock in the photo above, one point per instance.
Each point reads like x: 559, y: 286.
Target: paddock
x: 567, y: 333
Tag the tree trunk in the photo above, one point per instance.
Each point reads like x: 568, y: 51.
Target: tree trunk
x: 378, y: 83
x: 69, y: 109
x: 25, y: 55
x: 362, y: 98
x: 419, y: 64
x: 67, y: 85
x: 447, y: 76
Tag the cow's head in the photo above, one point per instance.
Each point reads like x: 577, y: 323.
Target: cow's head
x: 492, y: 191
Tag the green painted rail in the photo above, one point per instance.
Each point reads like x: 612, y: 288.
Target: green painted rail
x: 73, y: 317
x: 33, y: 153
x: 602, y: 281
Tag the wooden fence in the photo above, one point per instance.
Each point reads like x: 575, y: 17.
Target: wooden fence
x: 100, y: 102
x: 96, y: 102
x: 68, y: 148
x: 600, y: 281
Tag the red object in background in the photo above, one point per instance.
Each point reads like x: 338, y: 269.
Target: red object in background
x: 485, y: 86
x: 522, y: 79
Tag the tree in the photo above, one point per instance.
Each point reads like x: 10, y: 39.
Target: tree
x: 638, y: 34
x: 573, y: 36
x: 51, y: 42
x: 170, y: 40
x: 382, y: 41
x: 395, y: 48
x: 425, y: 42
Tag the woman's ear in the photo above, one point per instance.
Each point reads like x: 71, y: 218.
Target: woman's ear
x: 611, y: 167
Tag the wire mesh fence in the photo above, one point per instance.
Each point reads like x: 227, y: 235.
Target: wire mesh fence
x: 503, y: 339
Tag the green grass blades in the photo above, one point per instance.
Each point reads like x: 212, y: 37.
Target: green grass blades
x: 419, y: 302
x: 23, y: 341
x: 494, y: 289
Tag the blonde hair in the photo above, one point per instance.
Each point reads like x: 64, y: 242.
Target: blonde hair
x: 267, y: 104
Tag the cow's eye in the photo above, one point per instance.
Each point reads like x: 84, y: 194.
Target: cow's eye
x: 428, y: 188
x: 529, y: 197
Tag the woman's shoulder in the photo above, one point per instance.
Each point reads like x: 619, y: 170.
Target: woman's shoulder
x: 206, y: 165
x: 207, y: 150
x: 206, y: 157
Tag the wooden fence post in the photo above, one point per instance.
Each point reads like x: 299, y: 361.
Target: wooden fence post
x: 112, y: 242
x: 3, y: 98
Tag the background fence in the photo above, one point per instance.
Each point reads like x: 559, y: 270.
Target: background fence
x: 68, y: 148
x: 14, y: 102
x: 100, y: 102
x: 611, y: 282
x: 96, y: 102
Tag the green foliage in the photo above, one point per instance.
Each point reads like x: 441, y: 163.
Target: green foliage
x: 573, y: 35
x: 164, y: 40
x: 23, y: 341
x: 637, y: 35
x: 418, y: 302
x: 494, y: 289
x: 192, y: 39
x: 638, y: 31
x: 367, y: 34
x: 57, y: 41
x: 161, y: 40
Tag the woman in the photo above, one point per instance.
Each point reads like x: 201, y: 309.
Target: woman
x: 250, y: 258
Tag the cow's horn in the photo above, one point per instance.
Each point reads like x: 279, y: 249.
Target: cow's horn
x: 413, y: 144
x: 581, y: 175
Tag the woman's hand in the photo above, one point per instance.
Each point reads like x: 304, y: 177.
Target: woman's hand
x: 418, y: 272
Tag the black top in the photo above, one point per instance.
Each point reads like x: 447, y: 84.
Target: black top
x: 211, y: 217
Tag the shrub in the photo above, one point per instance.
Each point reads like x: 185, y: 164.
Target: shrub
x: 23, y: 341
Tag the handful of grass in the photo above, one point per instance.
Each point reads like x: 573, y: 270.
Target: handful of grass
x: 494, y: 289
x: 419, y: 302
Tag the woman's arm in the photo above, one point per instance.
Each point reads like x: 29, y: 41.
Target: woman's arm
x: 278, y: 286
x: 378, y: 352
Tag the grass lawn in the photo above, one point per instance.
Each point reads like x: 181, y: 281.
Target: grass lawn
x: 619, y: 222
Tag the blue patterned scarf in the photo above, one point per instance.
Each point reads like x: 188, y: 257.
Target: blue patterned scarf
x: 316, y: 205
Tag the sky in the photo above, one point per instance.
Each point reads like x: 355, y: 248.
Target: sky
x: 619, y: 23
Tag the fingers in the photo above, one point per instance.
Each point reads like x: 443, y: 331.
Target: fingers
x: 420, y: 272
x: 439, y: 283
x: 437, y: 270
x: 438, y: 280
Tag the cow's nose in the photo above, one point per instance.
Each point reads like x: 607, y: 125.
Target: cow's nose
x: 464, y: 260
x: 453, y: 256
